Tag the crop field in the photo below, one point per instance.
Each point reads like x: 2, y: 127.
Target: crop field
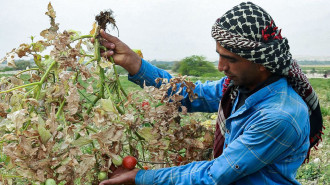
x: 316, y: 171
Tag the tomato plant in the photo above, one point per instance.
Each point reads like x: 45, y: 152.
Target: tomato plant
x: 72, y: 118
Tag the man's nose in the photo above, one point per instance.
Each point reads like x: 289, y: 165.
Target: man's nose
x: 222, y: 65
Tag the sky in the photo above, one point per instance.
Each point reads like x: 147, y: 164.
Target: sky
x: 166, y: 29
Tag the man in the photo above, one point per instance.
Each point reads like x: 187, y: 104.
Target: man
x: 267, y: 109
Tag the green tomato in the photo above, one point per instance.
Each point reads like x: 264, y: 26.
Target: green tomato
x: 102, y: 176
x: 116, y: 160
x: 50, y: 182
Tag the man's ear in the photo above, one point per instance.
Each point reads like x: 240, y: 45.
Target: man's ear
x: 262, y: 68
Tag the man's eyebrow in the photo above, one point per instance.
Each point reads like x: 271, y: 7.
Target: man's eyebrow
x: 226, y: 56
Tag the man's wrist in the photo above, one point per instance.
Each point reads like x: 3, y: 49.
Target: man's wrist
x: 134, y: 65
x: 134, y: 172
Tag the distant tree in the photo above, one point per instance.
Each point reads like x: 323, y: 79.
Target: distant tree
x: 176, y: 66
x: 313, y: 71
x: 22, y: 64
x: 197, y: 66
x: 163, y: 66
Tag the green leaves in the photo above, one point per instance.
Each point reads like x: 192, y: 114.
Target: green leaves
x: 45, y: 134
x: 81, y: 141
x: 146, y: 133
x: 107, y: 105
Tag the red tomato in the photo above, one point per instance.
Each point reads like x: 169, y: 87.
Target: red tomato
x: 178, y: 160
x: 129, y: 162
x: 145, y: 103
x: 145, y: 167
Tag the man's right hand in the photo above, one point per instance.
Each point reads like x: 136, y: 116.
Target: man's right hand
x: 121, y: 53
x: 121, y: 175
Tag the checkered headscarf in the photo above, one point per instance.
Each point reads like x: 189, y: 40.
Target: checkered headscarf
x: 250, y: 32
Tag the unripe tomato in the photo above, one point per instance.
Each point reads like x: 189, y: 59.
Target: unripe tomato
x: 116, y: 160
x: 50, y: 182
x: 102, y: 176
x: 129, y: 162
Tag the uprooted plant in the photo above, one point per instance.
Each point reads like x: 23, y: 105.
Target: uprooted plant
x: 72, y: 119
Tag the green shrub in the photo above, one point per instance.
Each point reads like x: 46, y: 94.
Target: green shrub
x: 196, y: 66
x: 176, y: 66
x: 22, y: 64
x: 163, y: 66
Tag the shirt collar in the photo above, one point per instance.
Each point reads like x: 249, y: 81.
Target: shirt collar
x: 273, y: 78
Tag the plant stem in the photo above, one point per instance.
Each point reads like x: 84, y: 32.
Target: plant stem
x: 82, y: 94
x: 19, y: 87
x: 117, y: 77
x: 86, y: 55
x: 82, y: 37
x: 26, y: 94
x: 91, y: 105
x: 91, y: 60
x: 91, y: 129
x: 117, y: 107
x: 60, y: 109
x: 38, y: 92
x: 26, y: 71
x: 153, y: 162
x: 142, y: 145
x: 47, y: 72
x: 102, y: 78
x: 139, y: 165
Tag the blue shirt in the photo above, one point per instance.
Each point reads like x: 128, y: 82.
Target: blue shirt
x: 265, y: 143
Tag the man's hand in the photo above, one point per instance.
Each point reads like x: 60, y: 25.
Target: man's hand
x: 121, y: 53
x: 121, y: 175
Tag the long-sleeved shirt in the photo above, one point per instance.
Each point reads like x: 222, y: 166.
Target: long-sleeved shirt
x: 265, y: 143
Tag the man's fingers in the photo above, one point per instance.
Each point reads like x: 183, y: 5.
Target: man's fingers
x: 106, y: 182
x: 107, y: 53
x: 107, y: 44
x: 108, y: 37
x: 112, y: 181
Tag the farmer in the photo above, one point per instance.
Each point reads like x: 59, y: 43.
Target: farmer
x: 268, y: 114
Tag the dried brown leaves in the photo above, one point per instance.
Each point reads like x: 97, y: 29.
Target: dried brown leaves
x: 158, y: 122
x: 47, y: 132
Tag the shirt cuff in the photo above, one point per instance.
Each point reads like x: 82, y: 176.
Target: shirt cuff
x: 144, y: 177
x: 140, y: 74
